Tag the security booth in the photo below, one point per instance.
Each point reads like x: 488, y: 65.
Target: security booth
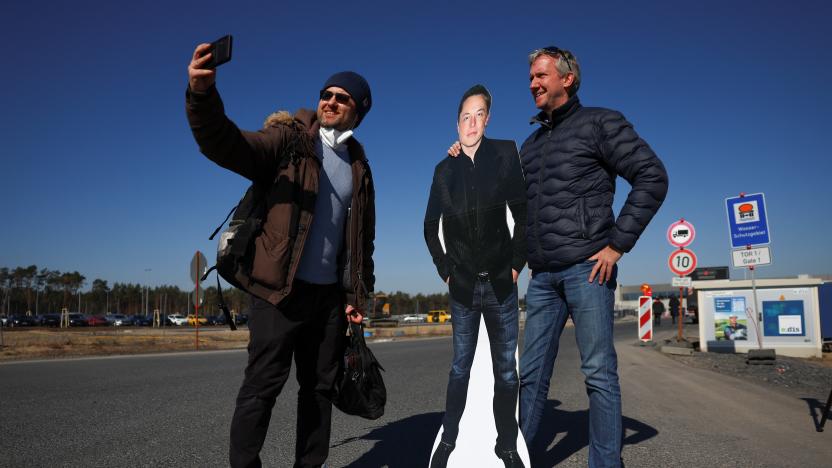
x: 788, y: 316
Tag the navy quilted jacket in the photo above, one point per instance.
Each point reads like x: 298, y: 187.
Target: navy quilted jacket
x: 571, y: 163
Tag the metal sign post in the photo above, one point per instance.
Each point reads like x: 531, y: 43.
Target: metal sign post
x: 198, y: 267
x: 196, y: 308
x: 748, y: 227
x: 757, y: 317
x: 681, y: 262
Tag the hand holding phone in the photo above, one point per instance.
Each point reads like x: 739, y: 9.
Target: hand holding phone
x: 202, y: 69
x: 220, y: 52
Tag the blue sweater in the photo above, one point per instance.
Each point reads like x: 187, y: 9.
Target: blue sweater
x: 319, y: 261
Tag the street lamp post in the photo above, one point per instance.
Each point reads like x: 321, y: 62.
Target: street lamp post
x: 147, y: 293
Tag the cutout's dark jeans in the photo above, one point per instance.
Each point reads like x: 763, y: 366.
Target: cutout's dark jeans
x: 501, y: 324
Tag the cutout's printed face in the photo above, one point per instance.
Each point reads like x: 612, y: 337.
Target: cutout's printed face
x: 472, y: 120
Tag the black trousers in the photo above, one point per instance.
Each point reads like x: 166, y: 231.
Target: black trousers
x: 309, y: 326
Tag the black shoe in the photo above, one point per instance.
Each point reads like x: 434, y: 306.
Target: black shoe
x: 440, y: 456
x: 510, y: 458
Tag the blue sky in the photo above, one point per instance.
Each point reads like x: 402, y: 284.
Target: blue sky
x: 100, y: 173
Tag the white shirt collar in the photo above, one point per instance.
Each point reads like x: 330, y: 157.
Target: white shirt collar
x: 335, y: 139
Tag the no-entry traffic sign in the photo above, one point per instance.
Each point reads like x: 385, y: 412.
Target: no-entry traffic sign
x: 682, y: 262
x: 681, y: 233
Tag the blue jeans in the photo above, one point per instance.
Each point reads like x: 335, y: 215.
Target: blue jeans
x: 501, y: 324
x: 551, y: 298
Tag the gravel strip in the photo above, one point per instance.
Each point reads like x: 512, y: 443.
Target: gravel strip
x: 800, y: 377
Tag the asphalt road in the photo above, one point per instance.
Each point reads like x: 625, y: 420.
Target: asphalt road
x: 174, y: 410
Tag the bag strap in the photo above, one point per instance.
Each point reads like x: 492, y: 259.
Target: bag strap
x: 224, y: 307
x: 220, y: 300
x: 357, y: 332
x: 223, y: 223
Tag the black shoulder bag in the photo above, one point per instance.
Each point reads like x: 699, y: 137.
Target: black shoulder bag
x: 360, y: 390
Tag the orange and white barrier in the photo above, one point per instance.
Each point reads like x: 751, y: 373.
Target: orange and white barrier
x: 645, y: 318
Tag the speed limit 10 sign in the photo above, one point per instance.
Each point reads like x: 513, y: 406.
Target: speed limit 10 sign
x: 682, y: 262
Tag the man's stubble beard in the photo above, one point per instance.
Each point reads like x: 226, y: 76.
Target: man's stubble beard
x: 344, y: 127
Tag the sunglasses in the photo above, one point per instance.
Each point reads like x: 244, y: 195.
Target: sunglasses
x: 340, y: 98
x: 552, y: 50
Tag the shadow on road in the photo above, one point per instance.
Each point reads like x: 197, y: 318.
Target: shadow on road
x: 816, y: 409
x: 405, y: 443
x: 575, y: 427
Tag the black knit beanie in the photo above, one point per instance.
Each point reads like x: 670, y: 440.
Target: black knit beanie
x: 357, y: 87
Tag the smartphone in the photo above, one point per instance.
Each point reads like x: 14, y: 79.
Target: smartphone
x: 221, y: 52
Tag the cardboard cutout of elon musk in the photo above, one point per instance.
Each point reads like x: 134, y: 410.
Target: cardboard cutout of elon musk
x: 475, y: 232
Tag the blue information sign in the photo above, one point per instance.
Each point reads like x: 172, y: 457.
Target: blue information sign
x: 783, y: 318
x: 729, y: 305
x: 747, y: 220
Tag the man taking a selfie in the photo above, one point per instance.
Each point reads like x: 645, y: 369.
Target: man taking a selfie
x: 313, y: 258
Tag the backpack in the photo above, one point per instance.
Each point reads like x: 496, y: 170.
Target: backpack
x: 235, y: 248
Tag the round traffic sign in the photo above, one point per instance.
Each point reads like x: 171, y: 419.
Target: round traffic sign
x: 199, y: 265
x: 682, y: 262
x: 681, y: 233
x: 197, y: 296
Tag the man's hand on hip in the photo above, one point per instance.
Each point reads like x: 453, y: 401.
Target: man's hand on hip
x: 606, y: 260
x: 200, y: 79
x: 514, y: 275
x: 354, y: 314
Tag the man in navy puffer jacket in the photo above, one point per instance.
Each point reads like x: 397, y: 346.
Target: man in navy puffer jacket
x: 574, y: 241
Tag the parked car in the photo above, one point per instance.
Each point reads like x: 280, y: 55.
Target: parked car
x: 177, y: 319
x: 97, y: 321
x: 413, y: 318
x: 192, y: 319
x: 691, y: 315
x: 118, y: 320
x: 383, y: 322
x: 77, y: 320
x: 241, y: 319
x: 24, y: 321
x: 50, y: 320
x: 438, y: 316
x: 142, y: 321
x: 216, y: 320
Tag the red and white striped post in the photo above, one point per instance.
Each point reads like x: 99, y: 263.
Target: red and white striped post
x: 645, y: 318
